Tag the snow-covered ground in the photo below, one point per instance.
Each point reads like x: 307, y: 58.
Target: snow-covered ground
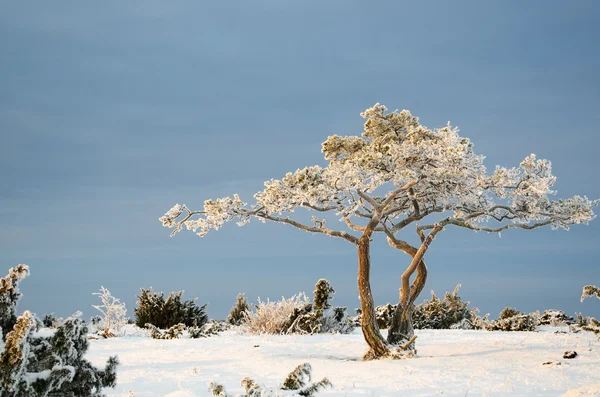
x: 450, y: 363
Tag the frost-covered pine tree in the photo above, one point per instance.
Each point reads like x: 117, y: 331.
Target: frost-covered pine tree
x: 239, y: 312
x: 113, y: 313
x: 9, y: 296
x: 48, y: 366
x: 399, y: 173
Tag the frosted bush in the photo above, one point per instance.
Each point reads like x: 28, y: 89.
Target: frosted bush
x: 164, y: 313
x: 448, y: 313
x: 513, y: 320
x: 589, y: 324
x: 297, y: 383
x: 555, y: 318
x: 298, y: 315
x: 276, y: 317
x: 113, y: 313
x: 239, y: 311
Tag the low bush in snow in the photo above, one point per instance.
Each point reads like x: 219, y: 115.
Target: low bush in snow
x: 239, y: 312
x: 589, y: 324
x: 513, y: 320
x: 297, y: 383
x: 34, y: 365
x: 450, y: 312
x: 113, y: 314
x: 153, y: 308
x: 274, y: 317
x: 212, y: 327
x: 298, y: 315
x: 555, y: 318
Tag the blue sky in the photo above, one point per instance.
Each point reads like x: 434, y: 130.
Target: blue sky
x: 112, y: 112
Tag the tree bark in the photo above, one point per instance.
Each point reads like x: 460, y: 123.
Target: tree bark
x: 377, y: 345
x: 401, y: 328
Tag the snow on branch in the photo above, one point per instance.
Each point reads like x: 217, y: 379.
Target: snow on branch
x: 399, y: 172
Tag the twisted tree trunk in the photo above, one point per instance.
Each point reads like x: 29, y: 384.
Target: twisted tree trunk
x: 370, y: 329
x: 401, y: 329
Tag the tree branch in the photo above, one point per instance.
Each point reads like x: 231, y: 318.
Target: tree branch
x: 334, y: 233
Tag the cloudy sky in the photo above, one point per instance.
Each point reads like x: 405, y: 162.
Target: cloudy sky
x: 112, y: 112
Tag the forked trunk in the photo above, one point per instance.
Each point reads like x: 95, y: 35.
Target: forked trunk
x: 377, y: 345
x: 401, y: 327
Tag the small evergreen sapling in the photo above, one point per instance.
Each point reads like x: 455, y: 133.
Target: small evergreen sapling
x: 9, y: 296
x: 239, y: 312
x: 48, y: 366
x: 35, y: 366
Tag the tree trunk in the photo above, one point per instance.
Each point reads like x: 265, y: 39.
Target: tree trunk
x: 401, y: 327
x: 377, y: 345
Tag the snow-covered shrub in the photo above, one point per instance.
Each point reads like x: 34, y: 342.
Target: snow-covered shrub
x: 153, y: 308
x: 321, y: 317
x: 297, y: 383
x: 212, y: 327
x: 448, y: 313
x: 555, y: 318
x: 50, y: 321
x: 274, y: 317
x: 47, y: 366
x: 511, y: 319
x: 299, y: 315
x: 239, y: 311
x: 383, y: 316
x: 589, y: 324
x: 38, y: 366
x: 9, y: 296
x: 113, y: 313
x: 173, y: 332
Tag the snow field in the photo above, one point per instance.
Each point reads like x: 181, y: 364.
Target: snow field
x: 450, y: 363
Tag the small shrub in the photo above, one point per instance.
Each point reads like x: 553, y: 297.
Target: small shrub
x: 212, y: 327
x: 448, y: 313
x: 299, y: 315
x: 173, y: 332
x: 298, y: 382
x: 513, y: 320
x: 113, y: 313
x: 589, y: 324
x: 163, y: 313
x: 239, y: 312
x: 274, y: 317
x: 555, y: 318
